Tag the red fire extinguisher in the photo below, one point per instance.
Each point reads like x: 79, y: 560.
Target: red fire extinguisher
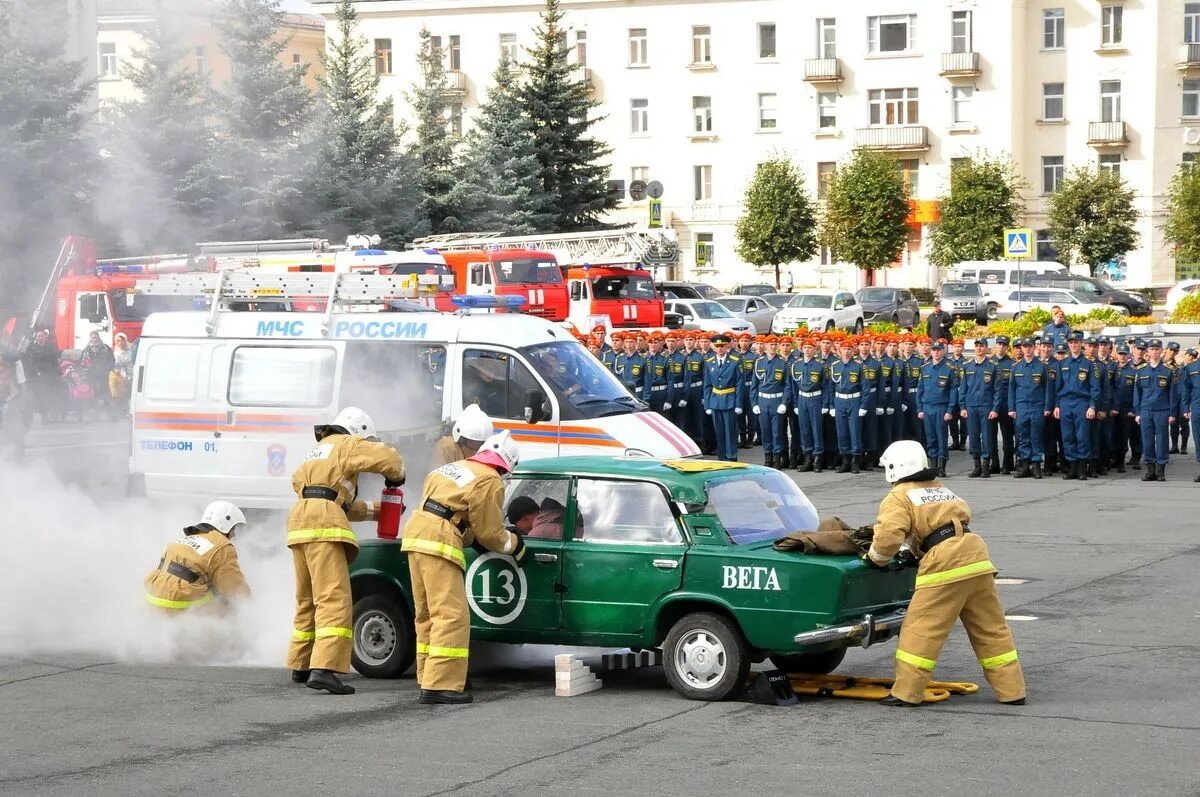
x: 391, y: 507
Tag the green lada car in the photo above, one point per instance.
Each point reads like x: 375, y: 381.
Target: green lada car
x: 645, y: 553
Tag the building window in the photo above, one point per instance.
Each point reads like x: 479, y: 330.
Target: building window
x: 894, y: 33
x: 201, y: 60
x: 1054, y: 29
x: 296, y: 64
x: 454, y: 116
x: 383, y: 56
x: 640, y: 122
x: 1191, y: 97
x: 956, y: 163
x: 1052, y: 173
x: 1191, y: 22
x: 1110, y: 162
x: 637, y: 47
x: 893, y: 106
x: 702, y: 183
x: 827, y: 37
x: 1053, y: 101
x: 766, y: 40
x: 701, y: 44
x: 825, y: 170
x: 108, y: 59
x: 909, y: 170
x: 581, y: 47
x: 827, y: 110
x: 960, y: 32
x: 454, y: 54
x: 702, y: 114
x: 1110, y: 100
x: 508, y: 47
x: 1190, y: 158
x: 960, y: 104
x: 1046, y: 251
x: 768, y: 118
x: 704, y: 249
x: 1111, y: 18
x: 827, y: 256
x: 640, y: 173
x: 435, y: 47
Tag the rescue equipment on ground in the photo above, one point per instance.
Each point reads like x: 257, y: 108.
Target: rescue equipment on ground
x: 857, y: 688
x: 391, y: 507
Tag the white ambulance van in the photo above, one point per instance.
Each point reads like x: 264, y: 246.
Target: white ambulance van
x: 224, y: 401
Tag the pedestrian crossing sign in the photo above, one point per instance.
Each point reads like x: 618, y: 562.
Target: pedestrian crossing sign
x: 1016, y: 243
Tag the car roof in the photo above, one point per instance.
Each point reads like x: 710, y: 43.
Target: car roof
x: 821, y: 291
x: 683, y: 486
x: 734, y: 296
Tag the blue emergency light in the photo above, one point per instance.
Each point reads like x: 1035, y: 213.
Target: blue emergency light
x: 102, y: 270
x: 429, y: 250
x: 364, y: 252
x: 487, y: 302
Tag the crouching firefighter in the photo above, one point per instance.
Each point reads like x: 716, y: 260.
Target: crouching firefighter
x: 461, y: 505
x: 955, y: 579
x: 202, y: 565
x: 323, y: 545
x: 466, y: 436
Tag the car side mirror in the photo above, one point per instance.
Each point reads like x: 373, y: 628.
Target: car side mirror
x: 535, y: 410
x: 840, y: 306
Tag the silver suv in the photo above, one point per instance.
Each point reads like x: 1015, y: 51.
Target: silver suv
x: 964, y: 300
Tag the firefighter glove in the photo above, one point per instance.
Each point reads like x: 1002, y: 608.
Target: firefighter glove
x: 866, y: 560
x: 518, y: 553
x: 907, y: 559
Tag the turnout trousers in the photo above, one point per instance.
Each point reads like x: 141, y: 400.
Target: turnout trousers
x: 931, y: 616
x: 442, y: 620
x: 323, y: 630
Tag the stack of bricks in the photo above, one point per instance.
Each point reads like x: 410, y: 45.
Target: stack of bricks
x: 572, y: 677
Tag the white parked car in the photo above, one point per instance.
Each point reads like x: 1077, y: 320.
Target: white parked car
x: 755, y: 309
x: 708, y: 315
x: 1178, y: 291
x: 1017, y: 303
x: 821, y: 309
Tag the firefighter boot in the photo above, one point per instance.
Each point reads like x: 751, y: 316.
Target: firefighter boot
x: 434, y: 696
x: 978, y: 470
x: 895, y: 702
x: 1160, y: 473
x: 1120, y: 464
x: 807, y: 465
x: 856, y: 463
x: 783, y: 462
x: 769, y: 460
x: 1037, y: 470
x: 994, y: 461
x: 1196, y: 479
x: 1008, y: 463
x: 300, y: 676
x: 845, y: 467
x: 1148, y: 476
x: 1084, y: 469
x: 987, y: 469
x: 1102, y: 467
x: 328, y: 680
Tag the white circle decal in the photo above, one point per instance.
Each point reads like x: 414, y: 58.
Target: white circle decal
x: 497, y: 587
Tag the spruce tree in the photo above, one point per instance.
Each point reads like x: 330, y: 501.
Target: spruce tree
x: 555, y: 97
x: 433, y: 150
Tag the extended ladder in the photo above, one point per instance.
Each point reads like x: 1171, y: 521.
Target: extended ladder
x: 647, y: 248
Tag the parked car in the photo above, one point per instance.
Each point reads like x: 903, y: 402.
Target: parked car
x: 821, y: 309
x: 778, y: 300
x: 755, y: 309
x: 1018, y: 303
x: 889, y: 304
x: 630, y: 551
x: 689, y: 290
x: 1178, y: 291
x: 964, y: 300
x: 1134, y: 303
x: 755, y: 289
x: 999, y: 278
x: 703, y: 314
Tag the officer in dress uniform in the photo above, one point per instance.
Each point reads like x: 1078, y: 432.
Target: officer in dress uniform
x: 1078, y: 394
x: 1124, y: 427
x: 1030, y: 401
x: 846, y: 378
x: 770, y: 390
x: 722, y: 395
x: 1000, y: 428
x: 1189, y: 398
x: 978, y: 388
x: 746, y: 424
x: 658, y: 375
x: 811, y: 395
x: 1155, y: 397
x: 937, y: 399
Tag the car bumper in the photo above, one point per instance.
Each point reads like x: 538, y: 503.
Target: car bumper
x: 866, y: 631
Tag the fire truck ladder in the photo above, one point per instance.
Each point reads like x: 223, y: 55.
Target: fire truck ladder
x: 649, y: 248
x: 68, y: 254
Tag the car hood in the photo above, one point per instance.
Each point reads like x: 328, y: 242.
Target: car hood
x: 876, y: 306
x: 804, y: 312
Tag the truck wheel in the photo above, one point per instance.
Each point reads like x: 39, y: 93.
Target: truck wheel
x: 821, y: 663
x: 705, y: 657
x: 385, y: 642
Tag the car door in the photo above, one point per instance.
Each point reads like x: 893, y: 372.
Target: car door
x: 908, y: 309
x: 849, y: 312
x: 624, y: 552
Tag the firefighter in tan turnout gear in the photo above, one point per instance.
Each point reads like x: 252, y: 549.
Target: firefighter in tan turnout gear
x: 467, y: 435
x: 461, y: 505
x: 202, y: 565
x: 955, y: 579
x: 323, y: 545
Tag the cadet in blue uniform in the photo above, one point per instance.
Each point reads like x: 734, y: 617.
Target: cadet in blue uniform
x: 1051, y: 439
x: 677, y: 383
x: 770, y: 390
x: 722, y: 395
x: 978, y: 391
x: 746, y: 424
x: 891, y: 424
x: 1102, y: 455
x: 792, y: 458
x: 957, y: 433
x: 1155, y: 396
x: 658, y: 375
x: 937, y: 402
x: 1000, y: 428
x: 630, y: 368
x: 1078, y: 392
x: 846, y: 379
x: 608, y: 354
x: 810, y: 394
x: 912, y: 362
x: 1124, y: 427
x: 693, y: 400
x: 1179, y: 425
x: 1189, y: 398
x: 1030, y: 401
x: 871, y: 397
x: 707, y: 430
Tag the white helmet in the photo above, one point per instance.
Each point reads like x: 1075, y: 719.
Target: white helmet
x: 499, y: 451
x: 902, y: 459
x: 223, y: 516
x: 356, y: 422
x: 473, y: 424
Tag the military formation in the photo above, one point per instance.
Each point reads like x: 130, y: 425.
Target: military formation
x: 1059, y: 402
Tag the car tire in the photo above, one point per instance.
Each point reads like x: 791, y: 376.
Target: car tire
x: 992, y: 311
x: 896, y: 319
x: 385, y: 640
x: 829, y: 327
x: 706, y: 657
x: 858, y: 327
x: 821, y: 663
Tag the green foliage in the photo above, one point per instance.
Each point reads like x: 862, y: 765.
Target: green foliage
x: 965, y: 328
x: 1188, y: 310
x: 1092, y: 216
x: 1182, y: 228
x: 865, y: 211
x: 984, y: 200
x: 574, y: 168
x: 779, y: 224
x: 437, y: 169
x: 1039, y: 316
x: 882, y: 327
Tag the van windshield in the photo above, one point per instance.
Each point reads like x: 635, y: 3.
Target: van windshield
x: 632, y: 287
x: 528, y: 270
x: 585, y: 388
x: 138, y: 306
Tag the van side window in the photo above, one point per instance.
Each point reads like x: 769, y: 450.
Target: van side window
x: 171, y: 372
x: 282, y: 376
x: 398, y: 383
x: 968, y: 275
x: 990, y: 276
x: 496, y: 381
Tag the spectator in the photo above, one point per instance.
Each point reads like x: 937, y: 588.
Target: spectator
x: 97, y: 360
x: 1057, y: 330
x: 118, y: 377
x: 939, y: 322
x: 41, y: 369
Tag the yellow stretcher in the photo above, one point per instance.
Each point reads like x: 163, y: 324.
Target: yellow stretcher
x: 852, y: 686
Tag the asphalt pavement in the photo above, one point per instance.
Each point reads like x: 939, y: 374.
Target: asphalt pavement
x: 1099, y: 578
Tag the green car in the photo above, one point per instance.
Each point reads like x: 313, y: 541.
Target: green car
x: 645, y: 553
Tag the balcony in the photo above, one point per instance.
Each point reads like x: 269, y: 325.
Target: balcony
x: 456, y: 83
x: 1189, y: 56
x: 823, y: 70
x: 909, y: 138
x: 1107, y: 134
x: 960, y: 65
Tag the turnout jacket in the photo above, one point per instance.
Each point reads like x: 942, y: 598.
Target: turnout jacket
x: 194, y: 569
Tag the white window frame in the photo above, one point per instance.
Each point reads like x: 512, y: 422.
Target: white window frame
x: 1048, y: 96
x: 702, y: 183
x: 639, y: 119
x: 1191, y: 23
x: 581, y: 42
x: 961, y: 31
x: 827, y: 37
x: 878, y: 101
x: 1056, y: 172
x: 1109, y: 161
x: 909, y: 170
x: 1112, y: 24
x: 825, y: 173
x: 109, y: 65
x: 201, y: 60
x: 706, y: 240
x: 454, y: 54
x: 962, y: 111
x: 509, y: 47
x: 1191, y: 96
x: 1054, y: 29
x: 761, y: 29
x: 827, y: 110
x: 702, y: 117
x: 874, y: 31
x: 1110, y: 101
x: 639, y: 47
x: 639, y: 173
x: 768, y: 110
x: 702, y: 45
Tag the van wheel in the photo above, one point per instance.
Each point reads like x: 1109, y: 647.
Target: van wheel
x: 992, y: 312
x: 858, y: 327
x: 705, y: 657
x: 385, y: 641
x: 821, y: 663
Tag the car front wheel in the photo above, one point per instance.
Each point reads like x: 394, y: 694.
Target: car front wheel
x: 821, y: 663
x: 385, y: 641
x: 992, y: 312
x: 858, y: 327
x: 705, y: 657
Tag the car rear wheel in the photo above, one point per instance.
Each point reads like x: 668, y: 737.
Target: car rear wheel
x: 896, y: 319
x: 705, y: 657
x: 1017, y: 316
x: 829, y: 327
x: 821, y: 663
x: 384, y: 638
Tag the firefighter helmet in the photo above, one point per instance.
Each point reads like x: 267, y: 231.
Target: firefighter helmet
x: 223, y: 516
x: 351, y: 421
x: 499, y: 451
x: 473, y: 424
x: 902, y: 459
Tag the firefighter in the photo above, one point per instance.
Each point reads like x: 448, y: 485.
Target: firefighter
x: 323, y: 544
x: 202, y: 565
x: 467, y: 435
x: 955, y: 579
x: 461, y: 504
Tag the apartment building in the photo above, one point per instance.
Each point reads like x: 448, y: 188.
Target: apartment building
x: 695, y: 94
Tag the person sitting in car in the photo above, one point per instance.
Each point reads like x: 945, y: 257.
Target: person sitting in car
x: 549, y: 521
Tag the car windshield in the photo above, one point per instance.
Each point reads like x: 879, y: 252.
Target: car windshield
x: 710, y: 310
x: 761, y: 505
x: 778, y: 300
x: 733, y: 305
x: 623, y: 288
x: 585, y: 388
x: 812, y: 301
x: 875, y: 295
x: 528, y: 269
x: 756, y: 290
x: 960, y: 289
x: 707, y: 291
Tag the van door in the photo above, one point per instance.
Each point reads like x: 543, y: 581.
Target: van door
x: 580, y: 302
x: 479, y: 279
x: 500, y: 381
x: 92, y: 314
